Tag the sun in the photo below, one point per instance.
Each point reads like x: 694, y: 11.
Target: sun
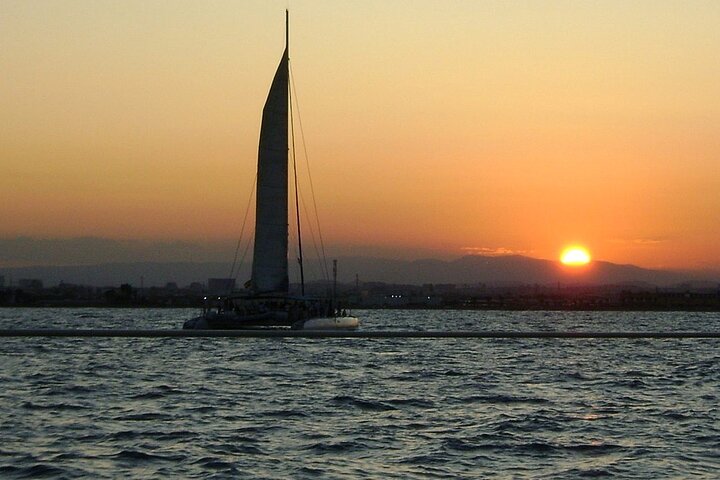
x: 575, y: 256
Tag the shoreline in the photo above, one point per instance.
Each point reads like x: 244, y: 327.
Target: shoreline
x: 698, y: 309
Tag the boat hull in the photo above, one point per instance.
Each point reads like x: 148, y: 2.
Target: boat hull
x: 231, y: 321
x: 331, y: 323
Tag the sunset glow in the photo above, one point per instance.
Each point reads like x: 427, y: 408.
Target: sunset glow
x: 498, y: 126
x: 575, y: 256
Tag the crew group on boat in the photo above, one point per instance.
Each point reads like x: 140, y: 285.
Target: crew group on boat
x: 296, y: 309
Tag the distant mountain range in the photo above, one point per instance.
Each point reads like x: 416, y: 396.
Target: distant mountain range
x: 489, y: 270
x: 508, y: 270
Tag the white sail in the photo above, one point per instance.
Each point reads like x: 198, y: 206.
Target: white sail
x: 270, y: 267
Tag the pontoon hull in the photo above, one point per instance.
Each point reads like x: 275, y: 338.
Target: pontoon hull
x: 232, y: 321
x: 331, y: 323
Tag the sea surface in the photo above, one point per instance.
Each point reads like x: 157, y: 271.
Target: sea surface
x: 361, y: 408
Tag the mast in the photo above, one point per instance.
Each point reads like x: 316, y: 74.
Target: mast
x: 295, y: 175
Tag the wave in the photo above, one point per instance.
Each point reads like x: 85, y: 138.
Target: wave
x: 411, y: 402
x: 139, y: 455
x: 38, y: 470
x: 285, y: 413
x: 504, y: 399
x: 368, y: 405
x: 143, y: 417
x: 53, y: 406
x: 161, y: 391
x: 336, y: 447
x: 214, y: 463
x: 238, y: 448
x: 468, y: 445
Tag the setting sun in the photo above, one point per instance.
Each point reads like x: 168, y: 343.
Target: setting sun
x: 575, y: 256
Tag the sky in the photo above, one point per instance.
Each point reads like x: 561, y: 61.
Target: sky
x: 432, y: 128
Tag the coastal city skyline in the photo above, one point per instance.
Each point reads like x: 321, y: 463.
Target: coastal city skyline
x: 433, y: 129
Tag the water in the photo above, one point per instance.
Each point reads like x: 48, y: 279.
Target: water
x: 361, y: 408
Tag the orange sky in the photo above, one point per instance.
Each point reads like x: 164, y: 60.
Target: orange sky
x: 447, y: 127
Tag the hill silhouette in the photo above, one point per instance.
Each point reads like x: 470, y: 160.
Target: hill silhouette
x: 498, y: 270
x: 474, y: 269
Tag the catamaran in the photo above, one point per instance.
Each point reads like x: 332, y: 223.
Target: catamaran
x: 268, y: 302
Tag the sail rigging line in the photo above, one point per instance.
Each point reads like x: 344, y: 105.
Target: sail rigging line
x: 308, y: 226
x: 323, y: 265
x: 319, y: 253
x: 242, y: 231
x: 323, y: 258
x: 297, y: 201
x: 244, y: 254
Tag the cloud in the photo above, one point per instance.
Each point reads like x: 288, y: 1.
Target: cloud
x: 640, y: 241
x: 493, y: 251
x: 27, y: 251
x: 648, y: 241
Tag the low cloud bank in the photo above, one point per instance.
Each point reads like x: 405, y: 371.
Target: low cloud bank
x: 27, y: 251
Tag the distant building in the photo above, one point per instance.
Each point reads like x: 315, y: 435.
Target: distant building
x: 220, y: 286
x: 30, y: 284
x: 444, y: 288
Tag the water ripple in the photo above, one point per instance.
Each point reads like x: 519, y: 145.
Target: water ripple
x: 380, y: 408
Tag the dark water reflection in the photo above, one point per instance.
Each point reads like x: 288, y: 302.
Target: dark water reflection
x: 361, y: 408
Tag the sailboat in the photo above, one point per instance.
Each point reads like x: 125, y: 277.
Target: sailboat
x: 269, y: 303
